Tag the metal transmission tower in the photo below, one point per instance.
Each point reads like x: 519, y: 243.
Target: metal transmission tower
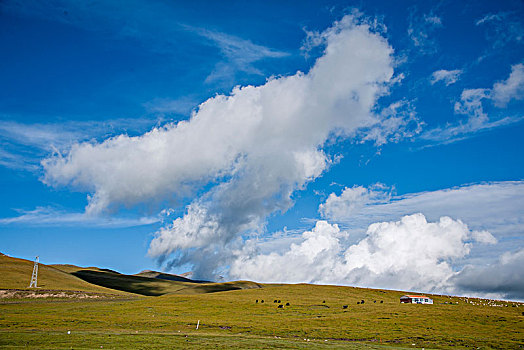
x: 34, y: 277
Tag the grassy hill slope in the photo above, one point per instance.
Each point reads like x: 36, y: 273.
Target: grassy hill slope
x: 154, y: 286
x: 16, y: 274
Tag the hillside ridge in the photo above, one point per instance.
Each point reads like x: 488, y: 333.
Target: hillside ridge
x: 17, y: 274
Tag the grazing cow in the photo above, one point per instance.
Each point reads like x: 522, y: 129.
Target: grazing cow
x: 262, y: 300
x: 275, y: 301
x: 358, y: 302
x: 374, y: 301
x: 280, y: 306
x: 279, y: 301
x: 323, y: 301
x: 256, y: 301
x: 382, y: 301
x: 362, y: 301
x: 344, y: 306
x: 287, y: 304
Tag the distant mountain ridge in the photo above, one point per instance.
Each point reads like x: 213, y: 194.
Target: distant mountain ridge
x: 168, y: 276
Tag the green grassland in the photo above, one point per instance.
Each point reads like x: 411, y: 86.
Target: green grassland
x: 314, y: 318
x: 16, y: 274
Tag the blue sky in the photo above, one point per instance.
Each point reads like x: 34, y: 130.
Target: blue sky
x: 235, y: 137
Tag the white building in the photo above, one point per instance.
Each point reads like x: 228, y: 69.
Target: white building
x: 416, y: 299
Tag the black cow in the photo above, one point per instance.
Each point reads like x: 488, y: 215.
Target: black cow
x: 275, y: 301
x: 362, y: 301
x: 262, y: 300
x: 287, y: 304
x: 382, y: 301
x: 280, y: 306
x: 344, y: 306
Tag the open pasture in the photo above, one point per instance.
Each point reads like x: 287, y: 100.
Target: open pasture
x: 315, y: 317
x: 88, y: 308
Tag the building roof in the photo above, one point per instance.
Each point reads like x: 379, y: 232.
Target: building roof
x: 415, y: 296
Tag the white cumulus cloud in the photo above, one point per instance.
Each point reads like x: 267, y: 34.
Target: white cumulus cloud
x: 409, y: 254
x: 352, y: 200
x: 483, y: 258
x: 252, y: 148
x: 492, y: 210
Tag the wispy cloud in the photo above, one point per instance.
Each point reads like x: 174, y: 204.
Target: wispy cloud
x: 46, y: 216
x: 44, y: 136
x: 492, y: 206
x: 471, y: 104
x: 421, y: 31
x: 25, y: 144
x: 17, y: 161
x: 503, y: 28
x: 398, y: 121
x: 158, y: 27
x: 447, y: 76
x: 183, y: 105
x: 141, y: 20
x: 240, y: 54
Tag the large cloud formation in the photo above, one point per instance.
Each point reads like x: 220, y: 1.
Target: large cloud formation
x: 245, y: 153
x: 429, y: 251
x: 492, y: 206
x: 491, y: 269
x: 409, y: 254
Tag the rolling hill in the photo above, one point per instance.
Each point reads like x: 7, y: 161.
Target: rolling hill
x: 156, y: 286
x: 17, y: 274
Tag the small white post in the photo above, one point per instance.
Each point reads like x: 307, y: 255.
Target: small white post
x: 198, y: 323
